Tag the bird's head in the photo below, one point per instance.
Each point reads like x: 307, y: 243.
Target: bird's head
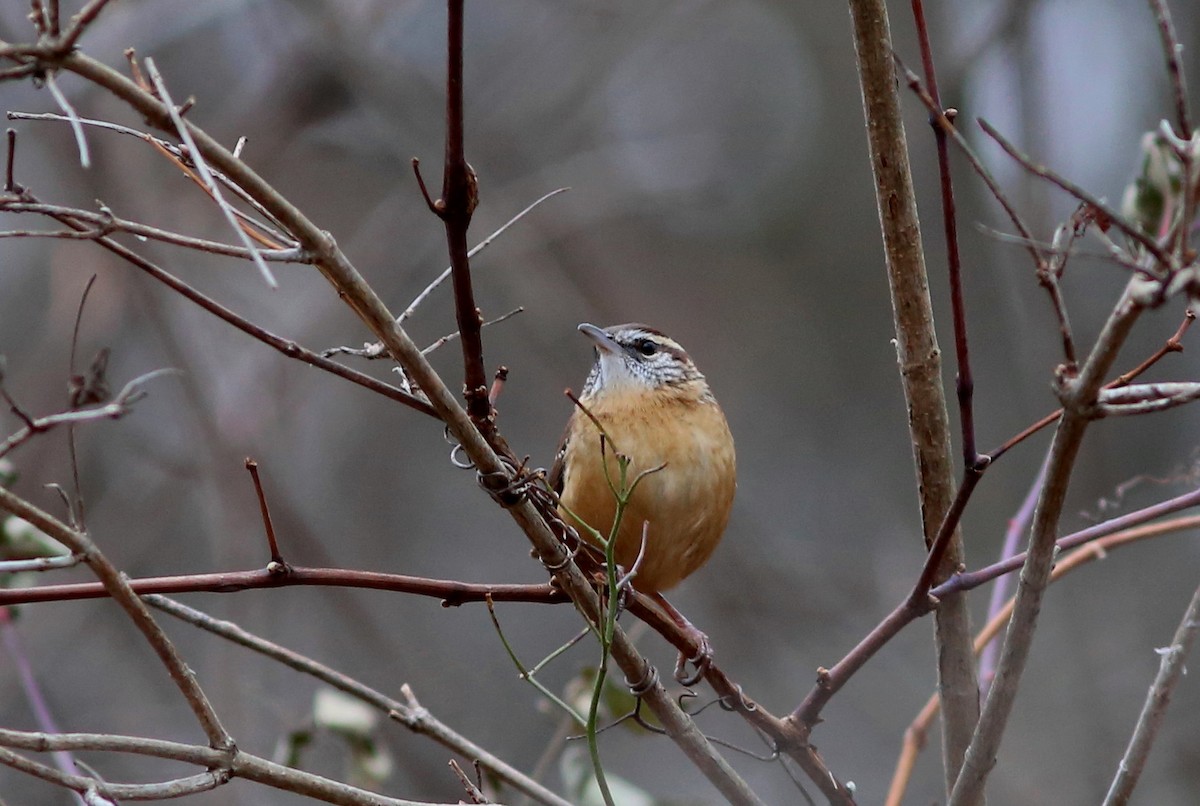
x: 637, y: 358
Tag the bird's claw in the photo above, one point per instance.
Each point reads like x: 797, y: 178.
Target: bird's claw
x: 701, y: 662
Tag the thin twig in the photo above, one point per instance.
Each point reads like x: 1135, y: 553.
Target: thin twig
x: 1131, y: 230
x: 10, y: 157
x: 85, y: 159
x: 531, y: 516
x: 1144, y: 398
x: 472, y: 789
x: 273, y: 236
x: 289, y: 348
x: 214, y: 189
x: 105, y: 223
x: 965, y: 380
x: 39, y: 564
x: 80, y: 23
x: 1155, y: 708
x: 411, y: 714
x: 273, y: 546
x: 83, y: 389
x: 118, y: 587
x: 914, y: 736
x: 452, y: 336
x: 1078, y: 396
x: 223, y: 765
x: 479, y: 247
x: 1172, y: 50
x: 944, y: 122
x: 86, y: 785
x: 1172, y: 345
x: 119, y: 407
x: 452, y: 593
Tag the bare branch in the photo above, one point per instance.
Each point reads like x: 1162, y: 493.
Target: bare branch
x: 285, y: 346
x: 105, y: 223
x: 1155, y: 708
x: 1078, y: 396
x: 118, y: 587
x: 85, y: 159
x: 1172, y: 50
x: 118, y: 408
x: 944, y: 122
x: 84, y: 785
x: 1131, y: 230
x: 1145, y: 398
x: 180, y: 158
x: 919, y: 356
x: 224, y: 766
x: 39, y: 564
x: 452, y: 593
x: 214, y: 189
x: 80, y: 23
x: 479, y: 247
x: 411, y: 714
x: 914, y: 736
x: 452, y: 336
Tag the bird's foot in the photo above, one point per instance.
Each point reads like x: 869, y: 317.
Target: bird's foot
x: 701, y: 662
x: 704, y: 652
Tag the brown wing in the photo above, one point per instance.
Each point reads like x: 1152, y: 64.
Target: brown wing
x: 555, y: 479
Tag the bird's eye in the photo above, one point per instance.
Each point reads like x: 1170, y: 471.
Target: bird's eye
x: 646, y: 346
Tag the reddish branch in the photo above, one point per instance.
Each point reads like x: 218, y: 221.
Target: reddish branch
x: 915, y: 735
x: 460, y: 195
x: 287, y: 347
x: 451, y: 592
x: 965, y: 381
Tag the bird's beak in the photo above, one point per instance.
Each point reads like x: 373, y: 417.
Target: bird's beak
x: 601, y: 338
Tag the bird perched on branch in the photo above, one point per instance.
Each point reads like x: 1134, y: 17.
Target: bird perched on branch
x: 655, y: 408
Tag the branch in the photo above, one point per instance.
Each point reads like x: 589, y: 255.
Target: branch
x: 236, y: 764
x: 479, y: 247
x: 354, y: 290
x: 1171, y: 50
x: 1078, y: 396
x: 289, y: 348
x: 946, y: 125
x: 411, y: 714
x: 214, y: 189
x: 460, y: 195
x: 914, y: 736
x: 118, y: 587
x: 119, y: 407
x: 85, y: 159
x: 84, y: 785
x: 830, y: 681
x: 105, y: 223
x: 179, y: 157
x: 1172, y: 345
x: 1170, y: 668
x: 919, y: 358
x: 1131, y: 230
x: 1145, y: 398
x: 451, y: 592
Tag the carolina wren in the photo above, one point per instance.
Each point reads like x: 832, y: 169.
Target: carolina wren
x: 657, y: 409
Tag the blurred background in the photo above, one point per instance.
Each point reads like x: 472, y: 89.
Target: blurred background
x: 720, y: 190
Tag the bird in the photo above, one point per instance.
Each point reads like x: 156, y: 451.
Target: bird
x: 656, y: 408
